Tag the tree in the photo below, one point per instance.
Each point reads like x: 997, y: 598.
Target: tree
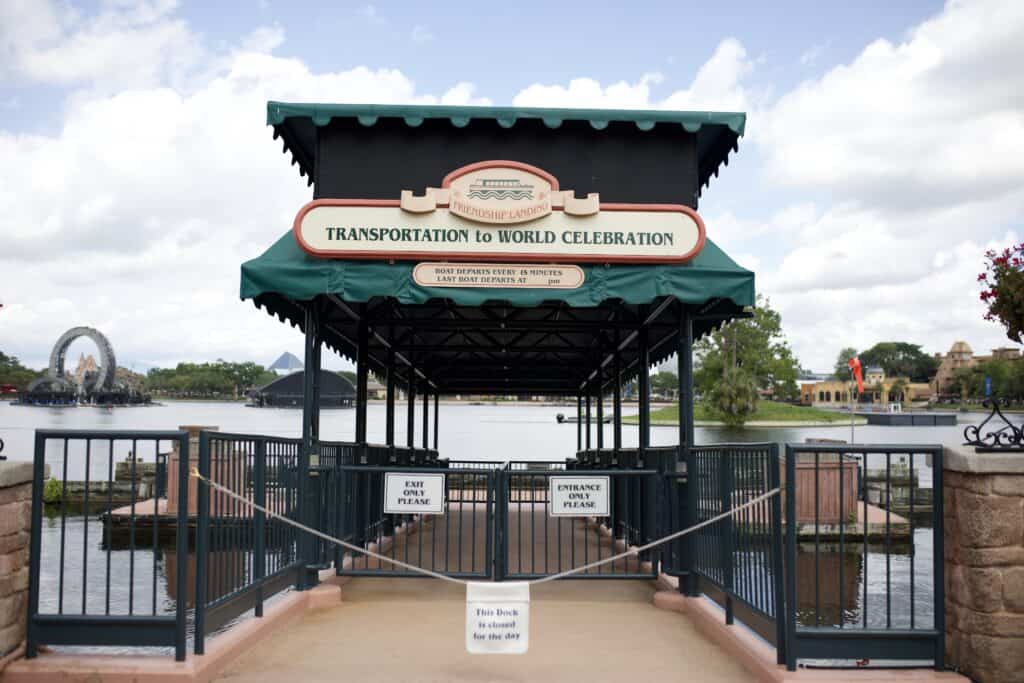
x: 757, y: 346
x: 13, y: 372
x: 664, y: 382
x: 842, y: 369
x: 1003, y: 289
x: 733, y: 398
x: 900, y: 359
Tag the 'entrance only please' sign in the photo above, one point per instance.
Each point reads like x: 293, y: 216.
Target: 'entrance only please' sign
x: 579, y: 496
x: 413, y: 493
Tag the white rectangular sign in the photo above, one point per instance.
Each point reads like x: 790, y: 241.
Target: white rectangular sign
x: 497, y: 618
x: 413, y: 493
x: 579, y: 496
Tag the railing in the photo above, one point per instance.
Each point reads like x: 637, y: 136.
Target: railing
x: 866, y: 583
x: 77, y: 598
x: 738, y: 561
x: 241, y: 556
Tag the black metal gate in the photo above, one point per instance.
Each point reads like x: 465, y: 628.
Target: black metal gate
x: 496, y: 522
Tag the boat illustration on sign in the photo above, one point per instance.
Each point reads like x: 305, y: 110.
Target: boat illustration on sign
x: 500, y: 188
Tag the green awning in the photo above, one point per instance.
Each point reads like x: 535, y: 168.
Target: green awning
x: 510, y: 341
x: 284, y: 269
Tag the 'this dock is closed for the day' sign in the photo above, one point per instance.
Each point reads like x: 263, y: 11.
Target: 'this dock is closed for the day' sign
x: 579, y: 496
x: 413, y: 493
x: 497, y: 618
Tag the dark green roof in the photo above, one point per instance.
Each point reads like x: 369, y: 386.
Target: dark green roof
x: 547, y: 346
x: 717, y: 133
x: 285, y: 269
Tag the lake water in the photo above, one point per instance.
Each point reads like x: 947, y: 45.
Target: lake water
x: 467, y: 432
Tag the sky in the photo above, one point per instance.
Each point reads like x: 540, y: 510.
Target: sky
x: 883, y: 155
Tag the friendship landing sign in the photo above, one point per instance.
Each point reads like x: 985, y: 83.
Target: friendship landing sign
x: 499, y: 211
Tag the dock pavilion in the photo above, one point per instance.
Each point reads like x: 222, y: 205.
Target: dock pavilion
x: 473, y: 250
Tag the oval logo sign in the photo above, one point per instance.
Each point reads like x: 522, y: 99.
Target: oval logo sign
x: 502, y: 192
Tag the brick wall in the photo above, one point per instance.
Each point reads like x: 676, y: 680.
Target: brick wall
x: 15, y: 518
x: 984, y: 552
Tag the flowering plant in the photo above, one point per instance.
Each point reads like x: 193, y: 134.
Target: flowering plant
x: 1003, y: 289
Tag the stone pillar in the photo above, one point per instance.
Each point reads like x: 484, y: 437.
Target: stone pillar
x: 983, y: 498
x: 15, y: 522
x: 193, y: 461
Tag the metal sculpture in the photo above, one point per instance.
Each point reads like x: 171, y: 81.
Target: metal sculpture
x: 57, y: 387
x: 1001, y: 436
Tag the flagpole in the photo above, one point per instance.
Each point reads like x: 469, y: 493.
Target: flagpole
x: 852, y: 440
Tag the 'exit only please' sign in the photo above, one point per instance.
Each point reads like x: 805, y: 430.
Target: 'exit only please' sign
x: 413, y: 493
x: 579, y: 496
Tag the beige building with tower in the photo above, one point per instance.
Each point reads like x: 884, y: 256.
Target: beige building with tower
x: 961, y: 355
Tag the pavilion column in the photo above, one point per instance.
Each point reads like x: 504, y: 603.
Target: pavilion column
x: 644, y: 388
x: 617, y: 395
x: 362, y: 375
x: 410, y: 426
x: 579, y: 422
x: 437, y: 405
x: 306, y: 511
x: 426, y: 417
x: 588, y: 390
x: 687, y: 582
x: 389, y: 417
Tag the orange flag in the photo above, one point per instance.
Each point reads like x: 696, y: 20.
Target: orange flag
x: 854, y: 364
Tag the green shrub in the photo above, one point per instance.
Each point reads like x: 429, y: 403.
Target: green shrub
x: 733, y: 399
x: 52, y: 491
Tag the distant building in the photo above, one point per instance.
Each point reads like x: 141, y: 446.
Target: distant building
x: 878, y: 390
x: 375, y: 390
x: 286, y: 392
x: 286, y: 364
x: 961, y: 355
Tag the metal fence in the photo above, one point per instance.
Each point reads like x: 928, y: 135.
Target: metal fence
x: 532, y: 543
x: 864, y: 567
x: 458, y: 542
x: 738, y: 561
x: 242, y: 557
x: 83, y: 511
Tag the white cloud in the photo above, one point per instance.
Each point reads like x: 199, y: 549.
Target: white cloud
x: 421, y: 35
x: 136, y: 215
x: 131, y: 44
x: 718, y: 84
x: 923, y: 122
x: 918, y: 147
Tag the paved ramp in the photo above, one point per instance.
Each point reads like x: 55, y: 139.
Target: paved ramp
x: 411, y: 630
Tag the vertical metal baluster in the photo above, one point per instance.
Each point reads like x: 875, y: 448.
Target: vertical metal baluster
x: 864, y: 532
x: 461, y: 515
x: 888, y: 540
x: 544, y: 521
x: 842, y: 537
x: 63, y: 527
x: 131, y: 532
x: 85, y: 526
x: 110, y: 510
x: 913, y: 545
x: 817, y: 539
x: 519, y: 517
x: 156, y: 526
x: 533, y: 526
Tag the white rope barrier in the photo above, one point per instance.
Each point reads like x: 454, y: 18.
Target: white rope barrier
x: 631, y: 552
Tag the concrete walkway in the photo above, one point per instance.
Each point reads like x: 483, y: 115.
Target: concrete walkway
x: 411, y: 630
